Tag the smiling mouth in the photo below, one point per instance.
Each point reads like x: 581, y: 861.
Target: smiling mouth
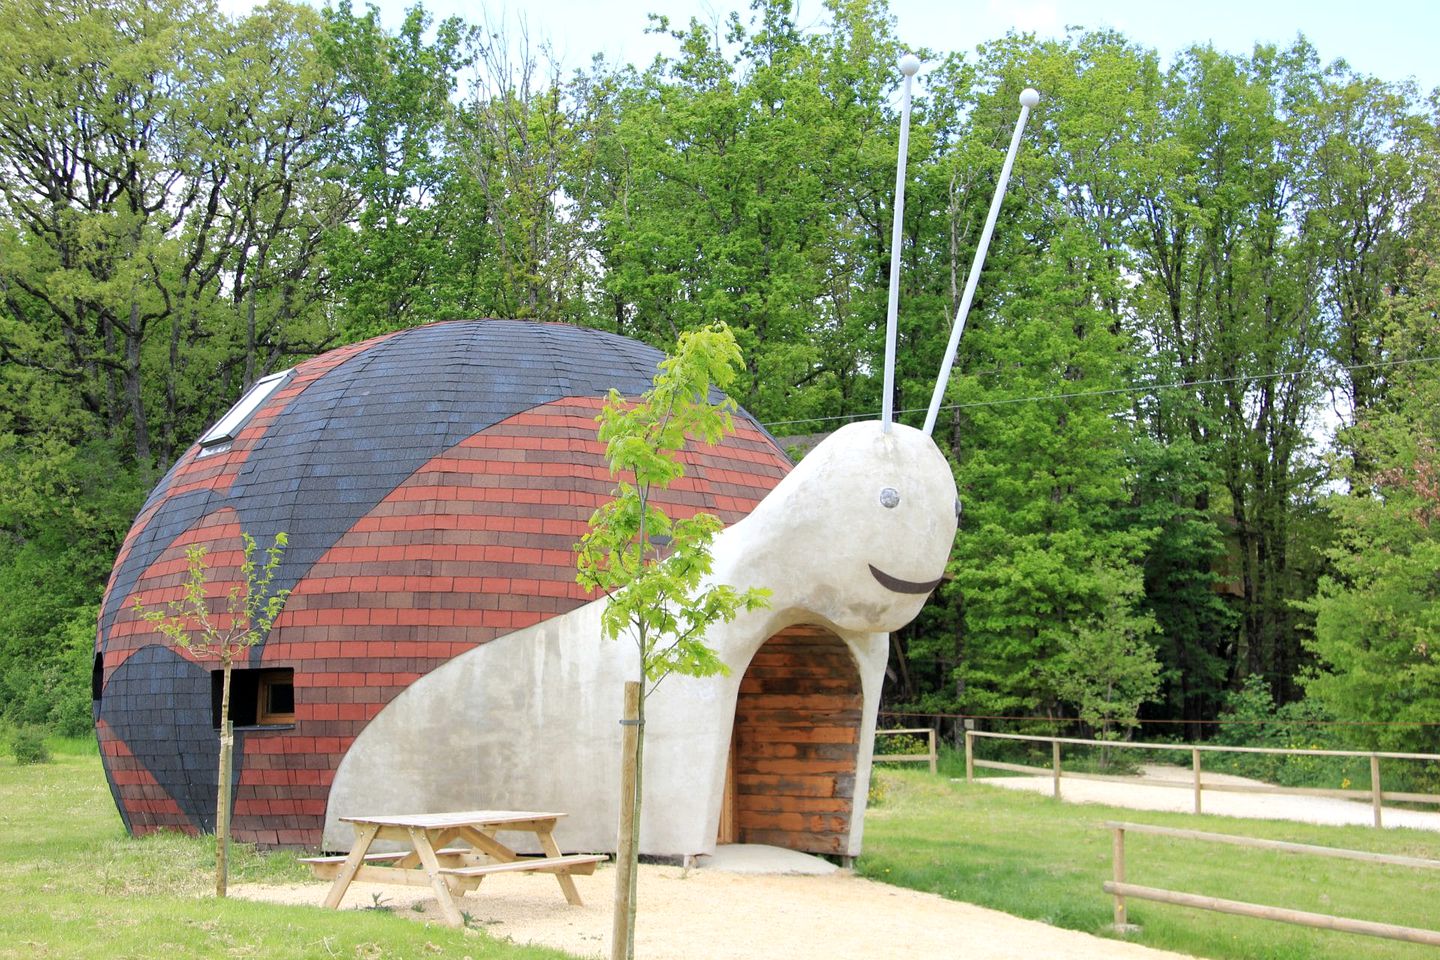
x: 902, y: 586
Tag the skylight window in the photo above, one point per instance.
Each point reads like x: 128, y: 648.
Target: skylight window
x: 223, y: 433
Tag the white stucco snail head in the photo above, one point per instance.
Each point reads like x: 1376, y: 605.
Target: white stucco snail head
x: 859, y: 532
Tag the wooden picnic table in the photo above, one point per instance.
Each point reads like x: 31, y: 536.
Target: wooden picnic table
x: 449, y: 871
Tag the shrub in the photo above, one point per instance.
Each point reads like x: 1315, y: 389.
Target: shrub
x: 1302, y: 725
x: 28, y: 746
x: 900, y: 744
x: 50, y: 687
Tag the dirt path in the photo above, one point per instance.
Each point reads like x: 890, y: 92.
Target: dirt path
x: 711, y: 915
x: 1163, y: 787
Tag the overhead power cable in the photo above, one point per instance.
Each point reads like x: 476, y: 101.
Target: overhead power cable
x: 1219, y: 721
x: 1080, y: 394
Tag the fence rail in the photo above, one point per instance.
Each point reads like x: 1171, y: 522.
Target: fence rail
x: 1120, y: 889
x: 932, y: 757
x: 1197, y: 784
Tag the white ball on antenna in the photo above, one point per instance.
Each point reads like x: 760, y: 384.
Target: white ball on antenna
x: 1029, y: 97
x: 909, y: 64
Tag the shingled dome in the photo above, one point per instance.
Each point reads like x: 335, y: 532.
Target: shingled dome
x: 433, y: 484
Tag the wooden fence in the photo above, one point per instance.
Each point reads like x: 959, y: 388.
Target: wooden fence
x: 932, y: 756
x: 1197, y: 783
x: 1120, y: 889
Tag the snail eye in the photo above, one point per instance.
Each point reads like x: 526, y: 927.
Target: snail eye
x: 889, y: 498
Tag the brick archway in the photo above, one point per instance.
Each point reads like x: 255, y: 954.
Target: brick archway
x: 794, y: 747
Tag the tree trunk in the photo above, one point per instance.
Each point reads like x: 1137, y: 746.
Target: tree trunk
x: 134, y: 393
x: 250, y: 375
x: 627, y: 840
x: 222, y: 787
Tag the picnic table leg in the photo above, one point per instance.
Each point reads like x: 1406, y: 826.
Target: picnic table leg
x: 437, y: 843
x: 411, y: 860
x: 364, y: 836
x: 421, y: 842
x: 567, y: 882
x: 484, y: 842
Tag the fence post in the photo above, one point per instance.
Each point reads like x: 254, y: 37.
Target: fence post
x: 934, y: 760
x: 1195, y: 765
x: 969, y: 756
x: 1375, y: 797
x: 1055, y: 765
x: 1117, y: 848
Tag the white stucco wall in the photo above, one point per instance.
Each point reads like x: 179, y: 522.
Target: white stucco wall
x: 530, y: 720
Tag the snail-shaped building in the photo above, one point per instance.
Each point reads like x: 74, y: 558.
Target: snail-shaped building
x: 435, y: 652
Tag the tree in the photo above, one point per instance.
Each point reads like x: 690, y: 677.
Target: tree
x: 273, y: 137
x: 224, y: 626
x: 1370, y: 147
x: 1230, y: 299
x: 167, y: 187
x: 1172, y: 483
x: 523, y: 147
x: 1377, y: 615
x: 395, y: 89
x: 1042, y: 479
x: 95, y: 124
x: 1107, y: 668
x: 65, y: 503
x: 653, y: 567
x: 745, y: 180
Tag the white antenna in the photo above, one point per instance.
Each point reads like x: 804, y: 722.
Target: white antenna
x: 909, y: 66
x: 1028, y: 98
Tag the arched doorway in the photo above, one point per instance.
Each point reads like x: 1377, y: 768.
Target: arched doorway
x: 797, y: 729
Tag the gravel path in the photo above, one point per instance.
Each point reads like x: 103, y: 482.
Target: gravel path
x: 1164, y: 787
x: 708, y: 914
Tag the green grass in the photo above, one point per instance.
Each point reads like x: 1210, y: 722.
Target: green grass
x: 1033, y: 857
x: 73, y: 884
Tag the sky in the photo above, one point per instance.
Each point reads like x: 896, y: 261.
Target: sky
x: 1391, y: 39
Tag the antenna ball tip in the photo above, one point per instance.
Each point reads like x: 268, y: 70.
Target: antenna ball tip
x: 909, y: 64
x: 1029, y: 97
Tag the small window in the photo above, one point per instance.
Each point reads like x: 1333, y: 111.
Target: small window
x: 258, y: 698
x: 276, y: 702
x: 97, y: 677
x: 219, y: 437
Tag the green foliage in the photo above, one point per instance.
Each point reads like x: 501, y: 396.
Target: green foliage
x: 64, y: 509
x: 904, y: 743
x: 1377, y: 617
x: 1107, y: 668
x: 27, y: 745
x: 391, y: 262
x: 727, y: 190
x: 1195, y: 624
x: 1041, y: 554
x: 1252, y: 719
x: 184, y: 259
x: 650, y: 565
x: 262, y: 187
x: 65, y: 681
x: 877, y: 794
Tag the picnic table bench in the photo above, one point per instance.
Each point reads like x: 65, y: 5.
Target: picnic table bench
x: 449, y: 871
